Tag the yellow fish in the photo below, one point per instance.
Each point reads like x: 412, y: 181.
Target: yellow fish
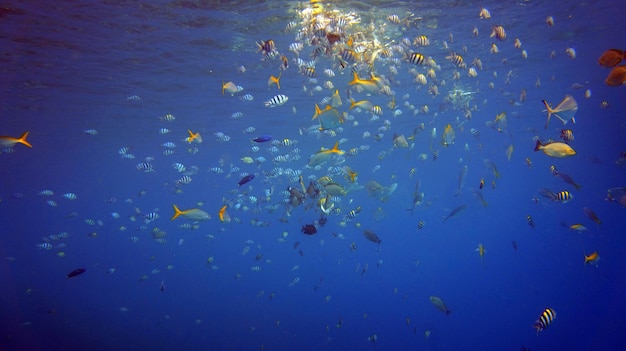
x: 274, y: 80
x: 448, y: 136
x: 399, y: 141
x: 369, y: 85
x: 593, y: 258
x: 229, y: 87
x: 323, y: 155
x: 556, y: 149
x: 9, y: 142
x: 193, y: 137
x: 224, y: 217
x: 194, y: 214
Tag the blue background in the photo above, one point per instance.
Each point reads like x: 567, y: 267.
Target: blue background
x: 70, y: 66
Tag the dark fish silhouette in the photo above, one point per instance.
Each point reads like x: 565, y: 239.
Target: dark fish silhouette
x: 309, y: 229
x: 75, y: 272
x: 262, y: 138
x: 246, y: 179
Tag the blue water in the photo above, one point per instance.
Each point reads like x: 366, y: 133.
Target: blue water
x: 119, y: 67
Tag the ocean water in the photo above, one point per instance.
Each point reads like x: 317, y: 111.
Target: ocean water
x: 93, y: 82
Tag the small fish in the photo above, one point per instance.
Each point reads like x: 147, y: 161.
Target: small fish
x: 277, y: 100
x: 75, y: 273
x: 262, y: 138
x: 454, y: 212
x: 193, y: 137
x: 567, y: 135
x: 578, y: 227
x: 246, y: 179
x: 439, y: 304
x: 448, y: 136
x: 589, y: 212
x: 545, y: 319
x: 416, y: 58
x: 456, y: 59
x: 481, y: 251
x: 371, y: 236
x: 530, y: 221
x: 593, y: 258
x: 498, y: 32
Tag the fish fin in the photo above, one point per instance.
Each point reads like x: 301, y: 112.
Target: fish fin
x: 318, y: 111
x: 538, y: 145
x: 223, y: 85
x: 177, y: 212
x: 22, y: 140
x: 549, y: 110
x: 355, y: 79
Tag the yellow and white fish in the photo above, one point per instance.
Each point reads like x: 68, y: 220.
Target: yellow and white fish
x: 194, y: 214
x: 9, y: 142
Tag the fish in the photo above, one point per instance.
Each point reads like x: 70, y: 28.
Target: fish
x: 479, y: 195
x: 9, y: 142
x: 371, y: 236
x: 193, y: 137
x: 309, y: 229
x: 498, y: 32
x: 228, y: 87
x: 567, y: 179
x: 454, y: 212
x: 329, y: 117
x: 262, y: 138
x: 194, y: 214
x: 277, y: 100
x: 417, y: 197
x: 416, y: 58
x: 593, y: 258
x: 274, y: 80
x: 323, y: 155
x: 555, y: 149
x: 509, y: 152
x: 563, y: 196
x: 481, y: 184
x: 448, y: 136
x: 439, y: 304
x: 266, y: 46
x: 611, y: 58
x: 457, y: 60
x: 530, y: 221
x: 246, y: 179
x: 481, y: 251
x: 564, y: 111
x: 545, y: 319
x: 399, y: 141
x: 462, y: 175
x: 616, y: 77
x: 567, y: 135
x: 492, y: 167
x: 369, y: 85
x: 74, y: 273
x: 223, y: 215
x: 589, y: 212
x: 578, y: 227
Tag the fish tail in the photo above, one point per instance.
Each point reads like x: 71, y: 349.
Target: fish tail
x: 538, y: 145
x: 355, y: 79
x: 177, y: 212
x: 22, y: 140
x: 335, y: 147
x: 549, y: 110
x: 222, y: 87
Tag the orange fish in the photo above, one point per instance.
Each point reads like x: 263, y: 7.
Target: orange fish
x: 611, y: 58
x: 224, y: 217
x: 593, y: 258
x: 9, y: 142
x: 617, y: 76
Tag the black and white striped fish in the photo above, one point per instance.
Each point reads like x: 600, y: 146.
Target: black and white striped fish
x: 277, y: 100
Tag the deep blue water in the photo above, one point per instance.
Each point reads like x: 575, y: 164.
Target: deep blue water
x: 118, y: 68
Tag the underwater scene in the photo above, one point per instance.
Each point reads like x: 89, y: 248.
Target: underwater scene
x: 312, y: 175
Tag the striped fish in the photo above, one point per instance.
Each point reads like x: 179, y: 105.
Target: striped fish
x: 544, y: 320
x: 416, y: 58
x: 498, y: 32
x: 277, y: 100
x: 564, y: 196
